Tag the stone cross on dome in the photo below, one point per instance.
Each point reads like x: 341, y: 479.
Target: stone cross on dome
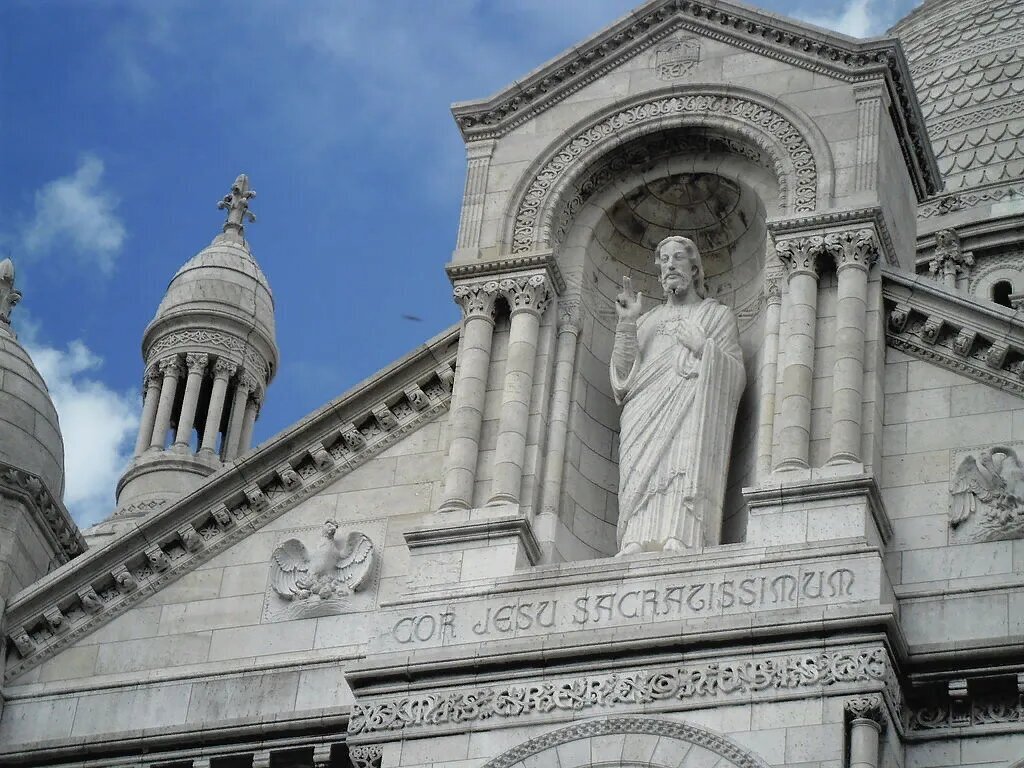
x: 237, y: 205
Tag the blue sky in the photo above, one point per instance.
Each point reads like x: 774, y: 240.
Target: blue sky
x: 123, y: 123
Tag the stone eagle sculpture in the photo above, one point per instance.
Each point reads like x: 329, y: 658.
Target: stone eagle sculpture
x: 995, y: 480
x: 333, y: 569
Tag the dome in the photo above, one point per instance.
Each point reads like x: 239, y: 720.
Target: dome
x: 30, y: 436
x: 222, y: 281
x: 967, y: 61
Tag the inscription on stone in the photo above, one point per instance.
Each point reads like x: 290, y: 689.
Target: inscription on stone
x: 563, y: 610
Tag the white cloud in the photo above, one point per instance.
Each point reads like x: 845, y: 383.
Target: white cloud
x: 857, y: 18
x: 75, y: 212
x: 97, y: 422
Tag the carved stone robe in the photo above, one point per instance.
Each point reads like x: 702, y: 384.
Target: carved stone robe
x: 676, y: 427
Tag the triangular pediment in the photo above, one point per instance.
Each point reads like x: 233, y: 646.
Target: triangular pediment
x: 275, y: 487
x: 659, y: 30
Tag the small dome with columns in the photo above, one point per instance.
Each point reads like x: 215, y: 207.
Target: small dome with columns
x: 210, y: 354
x: 30, y: 436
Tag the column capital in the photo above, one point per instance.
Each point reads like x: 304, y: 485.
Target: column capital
x: 197, y: 361
x: 569, y: 316
x: 773, y: 287
x: 170, y: 366
x: 476, y: 297
x: 853, y: 248
x: 247, y: 381
x: 224, y: 369
x: 949, y: 258
x: 867, y: 707
x: 366, y: 755
x: 526, y: 293
x: 152, y: 377
x: 800, y: 254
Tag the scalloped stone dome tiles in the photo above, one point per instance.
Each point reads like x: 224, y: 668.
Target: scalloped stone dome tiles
x: 967, y: 61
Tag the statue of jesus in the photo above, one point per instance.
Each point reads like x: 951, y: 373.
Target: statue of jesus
x: 677, y: 371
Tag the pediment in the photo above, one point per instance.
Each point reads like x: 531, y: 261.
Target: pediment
x: 276, y: 488
x: 666, y: 32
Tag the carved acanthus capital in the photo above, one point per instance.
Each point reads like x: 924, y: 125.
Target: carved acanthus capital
x: 9, y: 295
x: 248, y: 382
x: 949, y: 259
x: 170, y: 367
x: 800, y: 254
x: 869, y: 707
x: 196, y: 362
x: 855, y: 248
x: 366, y: 755
x: 224, y: 369
x: 528, y: 293
x: 477, y: 298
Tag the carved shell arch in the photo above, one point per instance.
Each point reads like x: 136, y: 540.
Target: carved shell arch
x: 798, y: 151
x: 630, y: 741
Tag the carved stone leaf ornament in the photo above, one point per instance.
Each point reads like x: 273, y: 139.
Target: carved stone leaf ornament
x: 320, y: 581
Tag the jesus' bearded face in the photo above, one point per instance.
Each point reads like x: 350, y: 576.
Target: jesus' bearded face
x: 678, y: 267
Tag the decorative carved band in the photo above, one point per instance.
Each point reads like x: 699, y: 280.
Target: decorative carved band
x: 48, y: 510
x: 771, y: 131
x: 216, y: 339
x: 711, y: 679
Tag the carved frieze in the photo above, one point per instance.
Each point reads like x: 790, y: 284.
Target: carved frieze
x: 324, y: 578
x: 708, y: 680
x: 986, y: 494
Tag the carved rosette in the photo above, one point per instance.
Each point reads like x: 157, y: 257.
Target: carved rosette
x: 869, y: 707
x: 800, y: 254
x: 858, y: 248
x: 526, y: 294
x: 476, y: 299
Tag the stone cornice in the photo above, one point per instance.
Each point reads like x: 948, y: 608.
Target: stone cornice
x: 745, y: 28
x: 508, y: 266
x: 47, y: 511
x: 838, y: 221
x: 981, y: 340
x: 231, y: 504
x: 477, y: 530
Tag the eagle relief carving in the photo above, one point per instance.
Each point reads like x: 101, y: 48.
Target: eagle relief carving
x: 987, y: 495
x: 321, y: 580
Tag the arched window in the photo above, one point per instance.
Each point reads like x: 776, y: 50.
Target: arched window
x: 1001, y: 293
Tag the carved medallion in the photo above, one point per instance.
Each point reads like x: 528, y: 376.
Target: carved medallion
x: 321, y: 572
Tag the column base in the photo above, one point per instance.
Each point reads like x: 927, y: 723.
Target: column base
x: 480, y: 547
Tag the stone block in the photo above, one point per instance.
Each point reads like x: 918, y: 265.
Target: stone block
x: 958, y: 432
x: 769, y: 744
x: 29, y: 721
x: 181, y: 618
x: 920, y: 532
x: 918, y: 405
x: 439, y: 749
x: 70, y: 664
x: 915, y: 468
x: 933, y: 754
x: 240, y: 580
x: 922, y: 375
x: 262, y: 640
x: 958, y: 562
x: 154, y: 653
x: 955, y: 618
x: 323, y: 687
x: 139, y: 622
x: 200, y: 584
x: 807, y: 743
x: 132, y: 708
x: 250, y: 696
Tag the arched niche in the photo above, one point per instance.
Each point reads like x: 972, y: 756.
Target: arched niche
x: 716, y: 189
x: 629, y: 742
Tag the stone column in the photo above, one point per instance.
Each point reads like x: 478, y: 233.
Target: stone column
x: 149, y: 403
x: 569, y: 325
x: 252, y: 412
x: 196, y: 364
x: 854, y: 253
x: 236, y: 417
x: 866, y: 718
x: 769, y: 372
x: 467, y: 409
x: 527, y: 297
x: 171, y: 369
x: 222, y: 371
x: 800, y: 255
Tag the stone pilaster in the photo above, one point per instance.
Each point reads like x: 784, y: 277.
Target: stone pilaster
x: 477, y: 301
x: 871, y: 98
x: 222, y: 371
x: 151, y: 385
x: 196, y: 365
x: 527, y: 296
x: 478, y: 162
x: 171, y: 369
x: 854, y: 252
x: 800, y: 256
x: 769, y: 372
x: 865, y: 717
